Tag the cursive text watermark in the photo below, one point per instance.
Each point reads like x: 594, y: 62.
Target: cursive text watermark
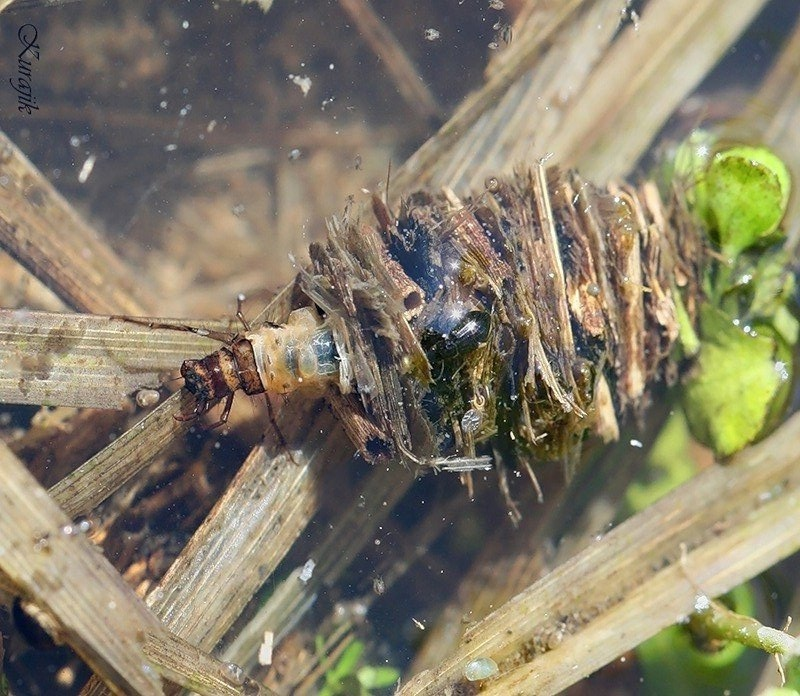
x: 22, y: 83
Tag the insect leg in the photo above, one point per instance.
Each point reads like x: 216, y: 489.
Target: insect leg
x: 273, y: 421
x: 226, y: 411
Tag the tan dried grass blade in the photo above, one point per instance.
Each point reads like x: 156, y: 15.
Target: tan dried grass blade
x: 87, y: 604
x: 111, y: 468
x: 643, y: 78
x: 65, y: 576
x: 87, y: 360
x: 721, y: 528
x: 42, y: 231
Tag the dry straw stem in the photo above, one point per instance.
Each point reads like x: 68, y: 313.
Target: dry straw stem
x: 237, y: 547
x: 779, y: 96
x: 592, y: 99
x: 87, y: 360
x: 84, y: 600
x: 239, y: 544
x: 570, y: 519
x: 121, y: 461
x: 642, y: 79
x: 417, y: 169
x: 65, y: 576
x: 45, y: 234
x: 519, y: 126
x: 721, y: 528
x: 380, y: 492
x: 396, y: 61
x: 204, y: 674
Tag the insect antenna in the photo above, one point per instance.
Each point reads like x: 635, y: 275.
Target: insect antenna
x: 221, y: 336
x: 240, y: 298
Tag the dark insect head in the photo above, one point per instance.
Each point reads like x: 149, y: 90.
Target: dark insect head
x: 220, y: 375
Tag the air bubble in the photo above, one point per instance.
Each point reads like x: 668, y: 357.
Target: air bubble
x: 481, y: 668
x: 145, y: 398
x: 783, y: 371
x: 234, y: 673
x: 471, y: 420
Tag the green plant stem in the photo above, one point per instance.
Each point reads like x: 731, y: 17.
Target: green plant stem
x: 714, y: 620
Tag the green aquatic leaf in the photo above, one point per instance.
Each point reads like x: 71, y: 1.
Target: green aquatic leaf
x: 669, y: 464
x: 760, y: 283
x: 739, y: 385
x: 739, y: 191
x: 377, y: 677
x: 348, y: 661
x: 747, y: 190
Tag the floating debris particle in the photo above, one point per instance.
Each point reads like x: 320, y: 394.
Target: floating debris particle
x: 378, y: 585
x: 307, y: 571
x: 86, y: 169
x: 265, y: 649
x: 303, y: 82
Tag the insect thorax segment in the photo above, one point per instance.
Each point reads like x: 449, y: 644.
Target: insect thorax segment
x: 299, y: 353
x: 213, y: 377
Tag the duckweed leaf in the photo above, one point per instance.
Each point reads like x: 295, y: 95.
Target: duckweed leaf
x: 747, y: 191
x: 740, y: 384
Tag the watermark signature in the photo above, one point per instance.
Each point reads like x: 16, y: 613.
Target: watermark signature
x: 22, y: 83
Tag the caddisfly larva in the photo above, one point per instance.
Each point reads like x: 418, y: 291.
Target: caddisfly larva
x: 274, y: 358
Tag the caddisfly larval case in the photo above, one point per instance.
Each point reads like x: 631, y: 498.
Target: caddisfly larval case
x: 514, y: 322
x: 524, y: 318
